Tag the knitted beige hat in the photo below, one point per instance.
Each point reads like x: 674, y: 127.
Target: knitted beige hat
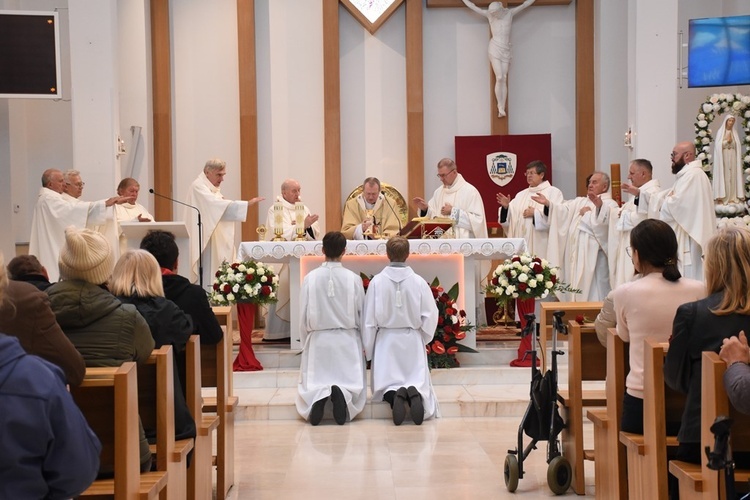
x: 86, y: 256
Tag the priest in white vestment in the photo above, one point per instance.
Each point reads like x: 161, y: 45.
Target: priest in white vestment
x: 688, y: 207
x: 578, y: 240
x: 134, y: 211
x: 624, y: 219
x: 370, y: 215
x: 522, y: 217
x: 73, y: 185
x: 332, y: 364
x: 277, y: 325
x: 53, y: 213
x: 218, y: 215
x: 400, y: 320
x: 458, y: 200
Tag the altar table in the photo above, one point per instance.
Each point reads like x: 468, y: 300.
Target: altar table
x: 463, y: 261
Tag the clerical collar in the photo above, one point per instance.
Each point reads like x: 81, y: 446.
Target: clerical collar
x: 397, y: 264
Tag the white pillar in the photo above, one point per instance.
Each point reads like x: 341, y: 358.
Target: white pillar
x: 6, y: 205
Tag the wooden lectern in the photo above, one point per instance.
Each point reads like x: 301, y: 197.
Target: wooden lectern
x: 426, y: 229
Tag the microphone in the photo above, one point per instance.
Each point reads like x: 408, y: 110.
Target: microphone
x: 398, y: 218
x: 200, y: 231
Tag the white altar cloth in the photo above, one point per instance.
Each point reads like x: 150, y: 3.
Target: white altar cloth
x: 369, y: 256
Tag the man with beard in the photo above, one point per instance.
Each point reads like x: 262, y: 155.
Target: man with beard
x: 688, y: 207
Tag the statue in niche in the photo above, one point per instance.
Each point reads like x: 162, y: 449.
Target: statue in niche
x: 500, y: 19
x: 728, y: 178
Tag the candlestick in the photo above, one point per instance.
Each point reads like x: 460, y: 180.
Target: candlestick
x: 278, y: 221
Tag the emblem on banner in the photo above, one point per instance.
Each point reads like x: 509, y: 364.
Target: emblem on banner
x: 501, y: 167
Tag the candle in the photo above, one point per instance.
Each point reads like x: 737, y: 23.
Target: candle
x: 278, y: 217
x: 299, y: 214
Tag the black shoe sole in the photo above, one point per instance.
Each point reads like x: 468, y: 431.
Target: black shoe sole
x: 316, y: 413
x: 415, y: 405
x: 399, y: 406
x: 339, y: 405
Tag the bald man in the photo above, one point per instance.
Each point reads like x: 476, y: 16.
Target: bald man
x: 688, y: 207
x: 277, y: 325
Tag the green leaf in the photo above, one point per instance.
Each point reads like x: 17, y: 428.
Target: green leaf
x: 435, y: 282
x: 453, y: 292
x: 464, y: 348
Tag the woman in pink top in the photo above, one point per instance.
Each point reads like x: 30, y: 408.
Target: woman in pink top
x: 645, y: 307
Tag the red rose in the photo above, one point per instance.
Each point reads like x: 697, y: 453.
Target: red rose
x: 462, y: 313
x: 508, y: 274
x: 553, y: 279
x: 523, y: 286
x: 516, y: 258
x: 536, y: 260
x: 450, y: 311
x: 460, y: 335
x: 444, y: 299
x: 249, y: 277
x: 495, y: 281
x: 440, y: 320
x: 446, y: 337
x: 235, y: 266
x: 218, y: 273
x: 579, y: 319
x: 434, y: 292
x: 538, y: 269
x: 265, y: 290
x: 365, y: 283
x: 227, y: 288
x: 438, y: 347
x: 216, y: 287
x: 452, y: 350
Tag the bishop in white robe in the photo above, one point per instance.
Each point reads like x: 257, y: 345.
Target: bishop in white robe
x: 218, y: 216
x: 458, y: 200
x: 277, y: 326
x: 578, y: 240
x: 522, y: 217
x: 688, y: 207
x: 331, y: 301
x: 53, y: 213
x: 400, y: 320
x: 624, y: 219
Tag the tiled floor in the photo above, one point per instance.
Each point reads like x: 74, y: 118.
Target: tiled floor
x: 447, y: 458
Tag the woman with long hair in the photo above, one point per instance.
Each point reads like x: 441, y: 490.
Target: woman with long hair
x: 645, y: 308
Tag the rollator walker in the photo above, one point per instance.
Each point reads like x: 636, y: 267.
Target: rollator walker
x: 542, y: 420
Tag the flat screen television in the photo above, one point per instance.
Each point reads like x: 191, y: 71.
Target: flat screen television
x: 719, y: 51
x: 29, y: 54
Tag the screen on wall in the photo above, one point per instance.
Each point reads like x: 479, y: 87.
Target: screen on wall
x: 29, y: 54
x: 719, y: 51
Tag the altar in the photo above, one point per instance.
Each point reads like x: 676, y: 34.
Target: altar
x: 451, y: 261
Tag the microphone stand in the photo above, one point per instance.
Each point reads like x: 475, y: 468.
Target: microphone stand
x: 398, y: 219
x: 200, y: 232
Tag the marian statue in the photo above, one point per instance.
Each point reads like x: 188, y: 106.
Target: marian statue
x: 728, y: 178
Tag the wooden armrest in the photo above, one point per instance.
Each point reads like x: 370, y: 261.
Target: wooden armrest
x: 672, y: 442
x: 590, y: 397
x: 598, y: 417
x: 209, y: 404
x: 685, y: 471
x: 589, y: 455
x: 207, y: 425
x: 633, y: 442
x: 182, y: 448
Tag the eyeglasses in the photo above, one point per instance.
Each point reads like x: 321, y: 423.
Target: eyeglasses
x: 674, y: 153
x: 629, y: 251
x: 443, y: 176
x: 76, y: 184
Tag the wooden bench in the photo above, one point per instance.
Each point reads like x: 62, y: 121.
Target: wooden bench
x: 199, y: 472
x: 647, y: 454
x: 216, y: 372
x: 611, y: 473
x: 571, y: 309
x: 156, y: 408
x: 108, y: 397
x: 698, y: 481
x: 587, y: 361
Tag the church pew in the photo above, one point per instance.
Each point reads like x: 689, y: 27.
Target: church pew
x: 611, y: 473
x: 156, y: 408
x: 199, y: 472
x: 216, y: 372
x: 108, y: 398
x: 647, y: 454
x: 586, y: 362
x: 572, y: 309
x: 698, y: 481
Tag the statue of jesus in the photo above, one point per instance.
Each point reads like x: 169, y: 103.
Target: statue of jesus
x: 500, y: 19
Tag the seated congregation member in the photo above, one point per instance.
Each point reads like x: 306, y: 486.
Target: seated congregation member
x: 606, y: 319
x: 188, y: 297
x: 47, y: 449
x: 370, y: 215
x: 28, y: 268
x: 735, y: 352
x: 136, y: 280
x: 645, y: 308
x: 703, y: 325
x: 333, y: 363
x: 103, y: 329
x: 400, y: 320
x: 25, y: 313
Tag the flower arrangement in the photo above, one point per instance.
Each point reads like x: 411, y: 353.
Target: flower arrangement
x: 246, y: 281
x: 524, y: 277
x: 451, y: 328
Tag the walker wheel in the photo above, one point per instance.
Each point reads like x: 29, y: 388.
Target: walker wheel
x: 510, y: 471
x: 559, y: 475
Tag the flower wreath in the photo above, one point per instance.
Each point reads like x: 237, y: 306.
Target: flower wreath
x: 717, y: 105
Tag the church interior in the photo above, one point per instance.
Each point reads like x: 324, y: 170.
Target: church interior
x: 316, y: 91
